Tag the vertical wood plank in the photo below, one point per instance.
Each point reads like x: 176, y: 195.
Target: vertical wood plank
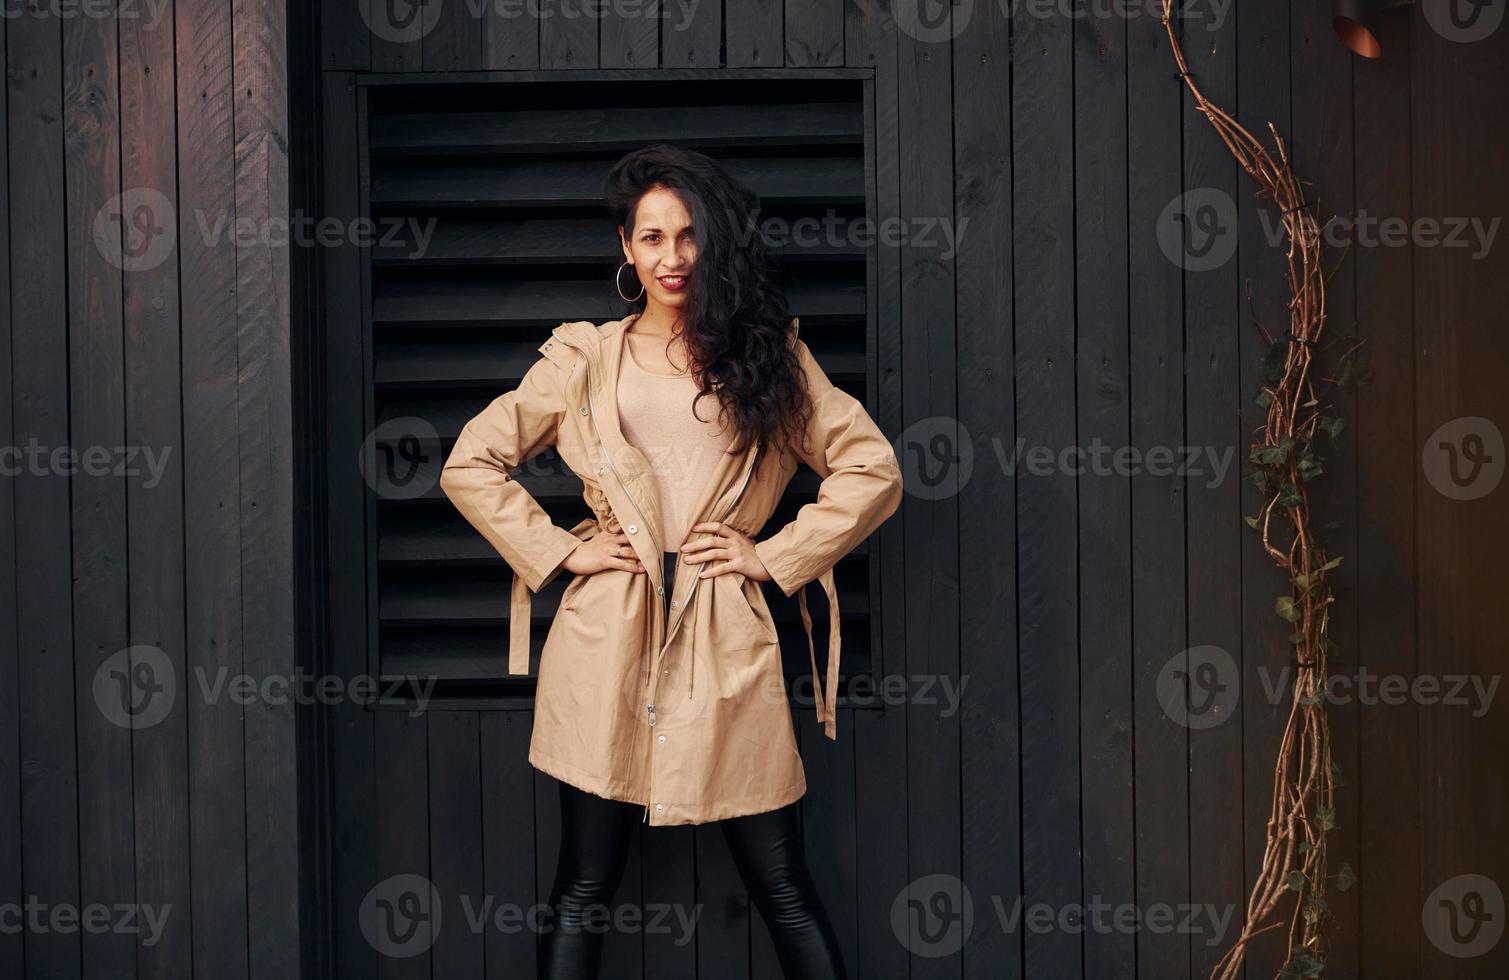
x: 1160, y: 748
x: 353, y: 776
x: 106, y: 855
x: 12, y: 945
x: 453, y: 41
x: 265, y: 419
x: 1105, y: 543
x: 212, y: 487
x: 397, y: 32
x: 397, y: 911
x: 691, y: 35
x: 45, y: 680
x: 990, y: 729
x: 629, y: 35
x: 814, y: 31
x: 753, y: 35
x: 510, y: 37
x: 1214, y: 528
x: 1460, y: 352
x: 1388, y: 772
x: 345, y: 38
x: 508, y: 830
x: 931, y: 527
x: 1047, y: 629
x: 880, y: 796
x: 568, y: 36
x: 454, y: 790
x: 155, y: 507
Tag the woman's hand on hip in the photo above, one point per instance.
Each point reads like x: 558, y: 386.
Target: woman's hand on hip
x: 608, y: 549
x: 724, y: 549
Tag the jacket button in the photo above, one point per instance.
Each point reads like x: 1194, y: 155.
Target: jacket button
x: 583, y: 410
x: 673, y: 602
x: 660, y: 590
x: 659, y: 807
x: 599, y: 471
x: 662, y: 738
x: 632, y: 529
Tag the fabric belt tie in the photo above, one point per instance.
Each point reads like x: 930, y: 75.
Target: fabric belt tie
x: 825, y: 694
x: 824, y: 697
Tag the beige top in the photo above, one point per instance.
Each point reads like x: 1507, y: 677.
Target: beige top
x: 655, y: 413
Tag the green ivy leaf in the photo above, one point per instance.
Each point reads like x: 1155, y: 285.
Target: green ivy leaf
x: 1346, y: 877
x: 1286, y: 607
x: 1270, y: 370
x: 1295, y: 881
x: 1325, y: 818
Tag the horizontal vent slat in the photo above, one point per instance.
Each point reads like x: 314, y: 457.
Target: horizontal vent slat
x: 455, y: 240
x: 616, y: 129
x: 422, y: 185
x: 502, y: 302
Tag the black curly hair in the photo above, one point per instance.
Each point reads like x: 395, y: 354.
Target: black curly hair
x: 737, y: 330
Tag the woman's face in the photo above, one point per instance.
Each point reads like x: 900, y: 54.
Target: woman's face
x: 663, y: 248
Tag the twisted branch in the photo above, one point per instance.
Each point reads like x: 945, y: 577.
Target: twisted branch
x: 1282, y: 460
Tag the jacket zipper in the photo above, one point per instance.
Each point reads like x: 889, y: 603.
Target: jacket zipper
x: 592, y: 411
x: 666, y: 630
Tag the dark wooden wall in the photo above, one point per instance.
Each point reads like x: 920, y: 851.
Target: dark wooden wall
x: 125, y: 325
x: 1056, y: 601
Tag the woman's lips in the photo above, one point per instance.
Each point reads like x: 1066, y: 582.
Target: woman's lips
x: 673, y: 283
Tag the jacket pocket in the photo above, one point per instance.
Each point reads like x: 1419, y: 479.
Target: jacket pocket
x: 568, y: 597
x: 749, y: 615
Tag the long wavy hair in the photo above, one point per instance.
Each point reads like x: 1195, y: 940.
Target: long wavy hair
x: 738, y: 333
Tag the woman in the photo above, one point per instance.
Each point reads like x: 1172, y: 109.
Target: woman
x: 685, y: 421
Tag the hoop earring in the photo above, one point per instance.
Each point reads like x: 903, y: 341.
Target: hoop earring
x: 618, y: 285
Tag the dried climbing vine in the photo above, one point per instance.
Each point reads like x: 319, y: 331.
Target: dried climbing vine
x: 1283, y: 458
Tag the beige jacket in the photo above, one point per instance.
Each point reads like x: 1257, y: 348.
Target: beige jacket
x: 688, y: 717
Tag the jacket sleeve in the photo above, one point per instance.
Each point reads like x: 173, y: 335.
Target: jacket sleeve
x: 861, y: 485
x: 477, y: 475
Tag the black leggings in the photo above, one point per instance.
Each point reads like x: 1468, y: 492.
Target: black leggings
x: 766, y: 847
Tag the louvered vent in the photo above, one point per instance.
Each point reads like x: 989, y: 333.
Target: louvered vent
x: 511, y: 174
